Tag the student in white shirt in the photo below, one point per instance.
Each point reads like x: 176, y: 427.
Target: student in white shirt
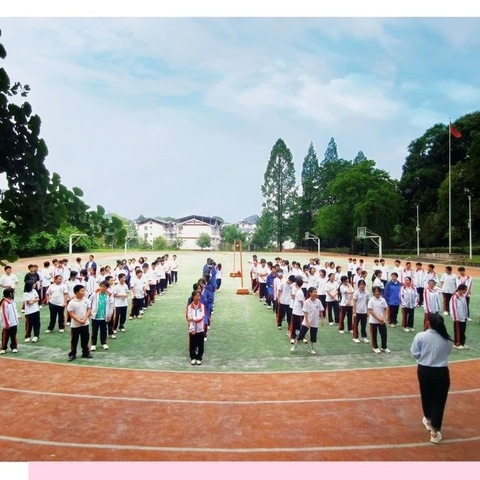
x: 448, y: 285
x: 377, y: 311
x: 174, y: 270
x: 46, y: 279
x: 360, y: 302
x: 57, y: 297
x: 120, y: 295
x: 8, y: 279
x: 408, y: 302
x: 32, y: 313
x: 297, y: 311
x: 331, y: 291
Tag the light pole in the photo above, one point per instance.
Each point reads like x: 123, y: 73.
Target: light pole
x: 127, y: 241
x: 418, y: 232
x: 470, y: 224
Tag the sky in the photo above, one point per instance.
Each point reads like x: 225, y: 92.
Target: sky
x: 170, y: 116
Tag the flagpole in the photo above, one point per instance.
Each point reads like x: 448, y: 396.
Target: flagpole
x: 449, y: 185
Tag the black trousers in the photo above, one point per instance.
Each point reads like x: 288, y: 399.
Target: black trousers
x: 459, y: 329
x: 32, y: 322
x: 360, y: 318
x: 81, y: 333
x: 333, y: 306
x: 380, y: 328
x: 174, y: 276
x: 408, y: 315
x: 137, y: 305
x: 420, y: 295
x: 120, y: 317
x: 393, y: 314
x: 56, y: 311
x: 434, y: 385
x: 262, y: 288
x: 96, y: 326
x: 345, y: 312
x: 295, y: 326
x: 196, y: 345
x: 9, y: 334
x: 446, y: 301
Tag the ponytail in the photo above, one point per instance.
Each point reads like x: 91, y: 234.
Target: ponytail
x: 436, y: 323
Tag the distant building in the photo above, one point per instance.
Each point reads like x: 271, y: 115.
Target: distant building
x: 149, y: 229
x: 188, y: 230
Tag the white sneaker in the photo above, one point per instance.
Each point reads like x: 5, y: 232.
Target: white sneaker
x: 93, y: 348
x: 205, y: 339
x: 199, y: 362
x: 305, y: 340
x: 34, y: 339
x: 365, y: 340
x: 459, y: 347
x: 14, y: 350
x: 468, y: 320
x: 341, y: 331
x: 27, y: 340
x: 466, y: 347
x: 279, y: 327
x: 193, y: 362
x: 293, y: 347
x: 356, y: 340
x: 2, y: 352
x: 122, y: 330
x: 61, y: 330
x: 427, y: 424
x: 436, y: 438
x: 412, y: 329
x: 386, y: 350
x: 105, y: 346
x: 445, y: 313
x: 406, y: 329
x: 311, y: 351
x: 48, y: 331
x: 114, y: 332
x: 377, y: 350
x: 331, y: 323
x: 113, y: 336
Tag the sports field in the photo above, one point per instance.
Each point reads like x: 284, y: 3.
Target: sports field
x: 251, y: 399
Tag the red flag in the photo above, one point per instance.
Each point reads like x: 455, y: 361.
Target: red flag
x: 454, y: 131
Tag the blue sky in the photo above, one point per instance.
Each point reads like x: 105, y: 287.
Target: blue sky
x: 173, y: 116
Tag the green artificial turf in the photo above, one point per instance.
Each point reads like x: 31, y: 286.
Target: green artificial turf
x: 243, y: 337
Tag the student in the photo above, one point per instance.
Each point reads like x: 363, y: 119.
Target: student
x: 377, y: 280
x: 46, y: 279
x: 70, y: 283
x: 459, y: 312
x: 120, y: 295
x: 431, y: 350
x: 322, y: 282
x: 331, y: 290
x: 219, y: 276
x: 278, y: 280
x: 8, y: 321
x: 408, y: 302
x: 448, y: 285
x: 33, y: 277
x: 57, y: 297
x: 137, y: 286
x: 297, y: 312
x: 419, y: 282
x: 262, y: 274
x: 8, y: 279
x: 377, y: 311
x: 384, y: 270
x: 465, y: 279
x: 270, y: 281
x: 196, y: 329
x: 91, y: 264
x: 431, y: 301
x: 101, y: 306
x: 392, y: 297
x: 360, y: 302
x: 346, y: 304
x: 79, y: 311
x: 284, y: 292
x: 174, y: 270
x: 312, y: 312
x: 32, y: 313
x: 430, y: 274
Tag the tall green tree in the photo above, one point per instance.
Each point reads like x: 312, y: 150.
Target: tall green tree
x: 230, y: 233
x: 308, y: 202
x: 331, y: 154
x: 280, y: 193
x: 264, y: 234
x: 360, y: 157
x: 204, y: 240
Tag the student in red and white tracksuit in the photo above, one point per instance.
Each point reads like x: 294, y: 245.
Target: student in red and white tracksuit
x: 408, y: 302
x: 459, y: 313
x: 8, y: 320
x: 431, y: 301
x: 465, y: 279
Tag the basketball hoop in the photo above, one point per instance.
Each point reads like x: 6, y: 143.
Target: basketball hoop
x: 361, y: 232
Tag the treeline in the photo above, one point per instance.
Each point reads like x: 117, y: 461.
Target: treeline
x: 338, y: 195
x: 37, y: 211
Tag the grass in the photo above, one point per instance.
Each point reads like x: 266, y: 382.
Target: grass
x: 243, y: 338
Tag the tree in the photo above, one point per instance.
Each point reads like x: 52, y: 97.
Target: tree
x: 35, y: 202
x: 331, y: 154
x: 230, y: 233
x: 204, y: 240
x: 359, y: 158
x: 308, y: 202
x: 160, y: 243
x: 264, y: 233
x: 279, y: 192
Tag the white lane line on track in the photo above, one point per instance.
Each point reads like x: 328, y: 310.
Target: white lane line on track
x: 335, y: 448
x: 223, y: 402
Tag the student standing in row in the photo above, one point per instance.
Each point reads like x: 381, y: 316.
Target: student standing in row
x: 57, y: 297
x: 431, y: 301
x: 360, y: 302
x: 431, y: 350
x: 459, y: 312
x: 408, y: 302
x: 80, y: 312
x: 392, y: 297
x: 465, y: 279
x: 377, y: 310
x: 196, y: 329
x: 32, y: 313
x: 331, y: 291
x: 120, y: 295
x: 102, y: 305
x: 8, y: 321
x: 346, y: 304
x: 448, y: 285
x: 297, y: 311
